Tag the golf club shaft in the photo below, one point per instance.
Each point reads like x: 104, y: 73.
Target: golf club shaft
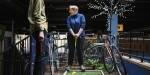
x: 75, y: 49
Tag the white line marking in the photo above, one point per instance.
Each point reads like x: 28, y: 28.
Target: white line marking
x: 65, y: 73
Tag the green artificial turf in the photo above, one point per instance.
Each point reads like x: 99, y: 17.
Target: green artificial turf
x: 84, y: 73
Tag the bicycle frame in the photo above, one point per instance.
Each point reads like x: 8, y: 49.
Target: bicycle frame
x: 114, y: 50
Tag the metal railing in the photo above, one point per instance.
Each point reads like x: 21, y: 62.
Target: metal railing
x: 135, y: 45
x: 15, y: 57
x: 1, y: 50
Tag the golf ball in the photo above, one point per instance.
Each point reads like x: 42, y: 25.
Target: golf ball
x: 73, y: 73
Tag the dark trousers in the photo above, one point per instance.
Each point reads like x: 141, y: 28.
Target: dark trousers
x: 78, y: 51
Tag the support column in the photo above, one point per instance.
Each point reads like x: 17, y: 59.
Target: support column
x: 113, y: 26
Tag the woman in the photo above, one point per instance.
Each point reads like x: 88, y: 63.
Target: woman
x: 76, y: 25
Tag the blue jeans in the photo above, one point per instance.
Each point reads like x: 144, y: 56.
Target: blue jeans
x: 38, y: 55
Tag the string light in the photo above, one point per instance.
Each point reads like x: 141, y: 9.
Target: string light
x: 109, y: 7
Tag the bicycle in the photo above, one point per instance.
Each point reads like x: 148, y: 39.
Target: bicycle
x: 108, y: 53
x: 53, y: 54
x: 117, y: 57
x: 92, y: 54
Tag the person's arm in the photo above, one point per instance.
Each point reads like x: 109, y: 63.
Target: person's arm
x: 69, y: 27
x: 37, y: 16
x: 83, y: 23
x: 30, y: 12
x: 80, y: 31
x: 71, y: 31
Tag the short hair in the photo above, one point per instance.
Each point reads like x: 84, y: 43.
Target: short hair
x: 74, y: 7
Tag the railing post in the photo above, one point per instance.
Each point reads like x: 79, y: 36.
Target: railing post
x: 13, y: 54
x: 130, y: 51
x: 113, y: 27
x: 1, y: 57
x: 142, y: 47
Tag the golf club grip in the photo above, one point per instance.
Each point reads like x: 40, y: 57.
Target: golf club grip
x: 76, y: 42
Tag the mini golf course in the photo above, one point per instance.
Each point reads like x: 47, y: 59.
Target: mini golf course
x: 84, y: 73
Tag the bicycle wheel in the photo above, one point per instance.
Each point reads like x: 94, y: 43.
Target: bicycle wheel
x: 55, y: 58
x: 91, y: 55
x: 51, y: 59
x: 107, y: 59
x: 63, y: 55
x: 120, y: 65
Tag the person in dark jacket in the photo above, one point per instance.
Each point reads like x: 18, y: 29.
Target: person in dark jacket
x: 76, y: 24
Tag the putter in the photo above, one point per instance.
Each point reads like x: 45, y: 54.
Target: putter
x: 75, y: 59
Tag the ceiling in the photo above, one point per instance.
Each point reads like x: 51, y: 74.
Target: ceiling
x: 15, y: 12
